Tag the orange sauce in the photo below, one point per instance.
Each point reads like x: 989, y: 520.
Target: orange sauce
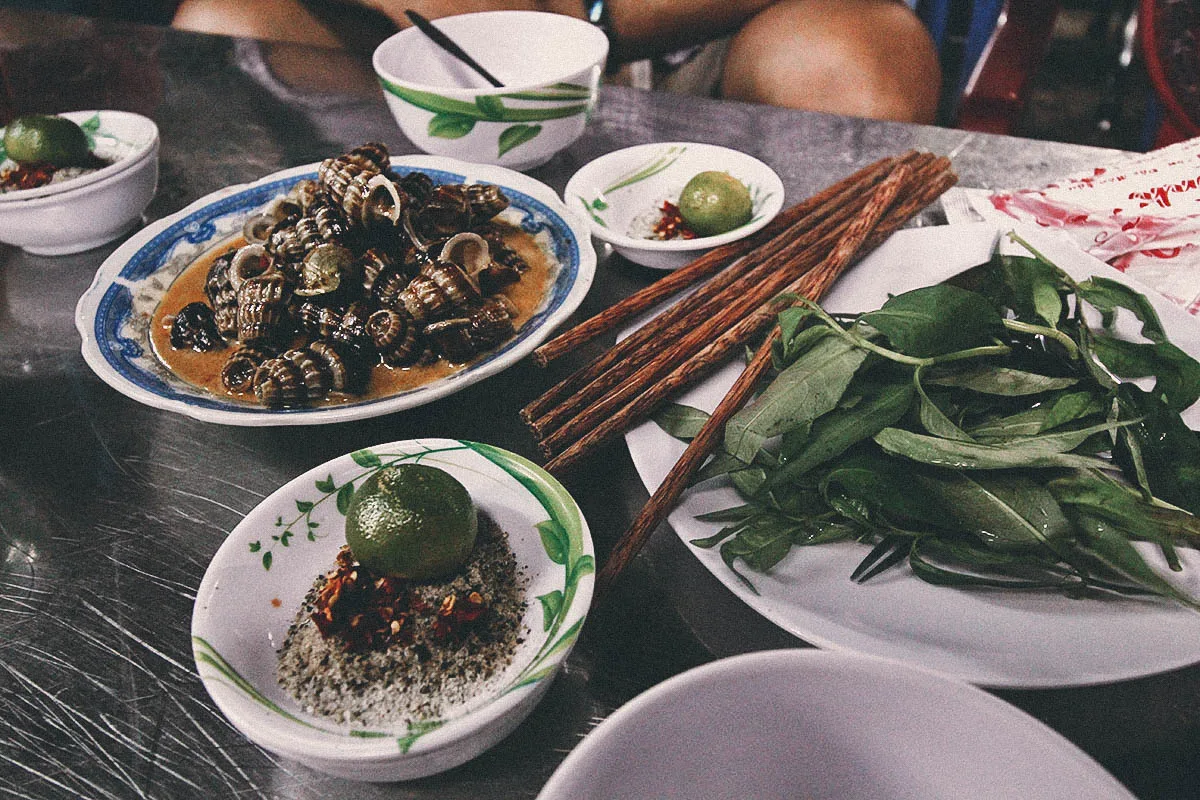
x: 203, y: 370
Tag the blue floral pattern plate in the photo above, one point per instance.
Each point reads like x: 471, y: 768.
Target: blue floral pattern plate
x: 113, y: 315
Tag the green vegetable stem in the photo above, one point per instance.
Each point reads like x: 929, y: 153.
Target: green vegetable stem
x: 984, y: 431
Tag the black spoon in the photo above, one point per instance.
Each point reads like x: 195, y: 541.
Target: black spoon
x: 446, y: 43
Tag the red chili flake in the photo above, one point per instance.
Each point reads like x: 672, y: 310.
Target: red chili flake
x: 456, y: 614
x: 369, y: 612
x: 670, y: 224
x: 29, y: 175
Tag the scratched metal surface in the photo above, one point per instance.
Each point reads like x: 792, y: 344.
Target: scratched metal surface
x: 110, y: 511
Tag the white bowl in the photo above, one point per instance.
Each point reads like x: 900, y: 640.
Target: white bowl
x: 113, y: 315
x: 619, y: 190
x: 255, y: 584
x: 550, y: 65
x: 815, y: 724
x: 94, y: 208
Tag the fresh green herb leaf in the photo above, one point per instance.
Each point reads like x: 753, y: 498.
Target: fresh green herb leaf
x: 936, y: 320
x: 805, y: 390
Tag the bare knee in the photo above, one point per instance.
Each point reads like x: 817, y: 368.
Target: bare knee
x: 280, y: 20
x: 866, y: 58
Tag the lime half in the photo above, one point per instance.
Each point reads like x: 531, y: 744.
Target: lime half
x: 411, y: 521
x: 53, y: 140
x: 715, y: 202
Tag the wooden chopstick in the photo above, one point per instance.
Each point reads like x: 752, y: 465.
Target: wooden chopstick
x: 446, y: 43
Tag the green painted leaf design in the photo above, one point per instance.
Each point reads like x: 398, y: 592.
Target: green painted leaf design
x: 562, y: 532
x: 415, y: 731
x: 552, y: 603
x: 554, y: 540
x: 584, y: 565
x: 450, y: 126
x: 650, y: 168
x: 444, y: 105
x: 491, y: 106
x: 304, y: 506
x: 590, y: 210
x: 366, y: 458
x: 343, y: 498
x: 516, y: 136
x: 267, y: 558
x: 207, y: 656
x: 326, y: 485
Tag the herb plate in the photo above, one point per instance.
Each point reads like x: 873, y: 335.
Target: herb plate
x: 988, y: 637
x: 113, y: 315
x: 805, y: 723
x: 255, y: 584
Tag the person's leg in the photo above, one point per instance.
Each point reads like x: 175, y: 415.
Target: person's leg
x: 276, y: 20
x: 866, y: 58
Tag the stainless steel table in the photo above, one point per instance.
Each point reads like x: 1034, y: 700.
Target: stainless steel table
x: 110, y: 511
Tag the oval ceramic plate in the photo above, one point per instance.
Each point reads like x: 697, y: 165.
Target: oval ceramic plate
x: 993, y: 638
x: 807, y: 724
x: 113, y: 315
x: 255, y: 584
x: 121, y: 137
x: 622, y: 191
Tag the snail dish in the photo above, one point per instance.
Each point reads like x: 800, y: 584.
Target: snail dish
x: 360, y: 282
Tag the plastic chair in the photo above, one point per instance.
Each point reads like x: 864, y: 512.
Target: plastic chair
x: 989, y: 51
x: 1170, y: 43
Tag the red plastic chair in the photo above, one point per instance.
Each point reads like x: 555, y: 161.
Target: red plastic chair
x: 1169, y: 31
x: 990, y: 51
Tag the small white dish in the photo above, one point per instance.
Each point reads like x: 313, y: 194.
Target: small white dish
x: 88, y: 210
x: 550, y: 65
x: 119, y: 137
x: 113, y: 315
x: 620, y: 191
x: 811, y: 724
x: 255, y: 584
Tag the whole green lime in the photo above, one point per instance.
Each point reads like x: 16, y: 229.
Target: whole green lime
x: 411, y: 521
x: 55, y: 140
x: 714, y: 202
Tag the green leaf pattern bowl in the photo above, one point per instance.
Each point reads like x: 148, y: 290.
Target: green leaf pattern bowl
x: 91, y: 208
x: 550, y: 65
x: 256, y: 582
x: 620, y: 194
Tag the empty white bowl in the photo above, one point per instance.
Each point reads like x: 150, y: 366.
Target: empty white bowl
x: 619, y: 192
x: 86, y: 211
x: 801, y: 723
x: 257, y: 581
x: 550, y: 65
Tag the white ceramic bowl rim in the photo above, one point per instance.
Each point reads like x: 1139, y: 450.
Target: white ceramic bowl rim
x: 295, y: 736
x: 135, y: 130
x: 104, y: 311
x: 798, y: 663
x: 592, y: 49
x: 72, y: 191
x: 676, y: 245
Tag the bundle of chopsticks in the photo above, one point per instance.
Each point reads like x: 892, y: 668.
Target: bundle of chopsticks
x: 800, y: 253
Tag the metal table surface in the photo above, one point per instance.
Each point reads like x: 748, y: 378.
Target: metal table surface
x: 110, y: 511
